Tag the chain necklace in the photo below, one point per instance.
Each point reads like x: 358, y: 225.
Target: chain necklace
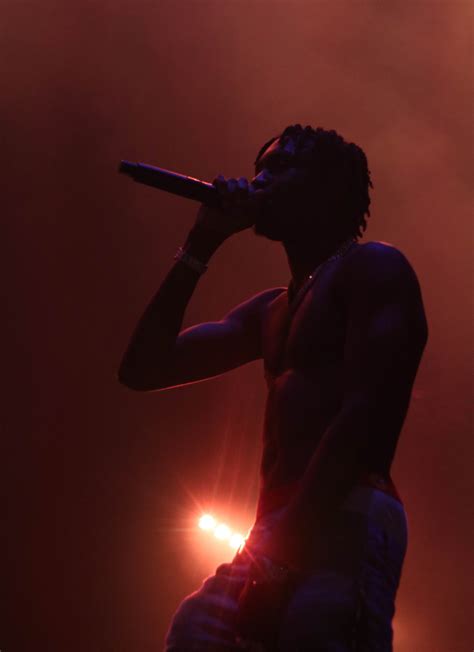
x: 295, y: 301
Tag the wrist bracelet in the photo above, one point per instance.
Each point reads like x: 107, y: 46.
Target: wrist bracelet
x: 190, y: 261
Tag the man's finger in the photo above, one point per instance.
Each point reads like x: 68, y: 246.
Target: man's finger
x: 232, y: 185
x: 242, y: 187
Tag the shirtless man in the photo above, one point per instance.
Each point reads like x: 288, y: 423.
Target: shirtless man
x: 340, y: 347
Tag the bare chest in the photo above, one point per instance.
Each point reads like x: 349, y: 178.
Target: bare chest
x: 308, y: 334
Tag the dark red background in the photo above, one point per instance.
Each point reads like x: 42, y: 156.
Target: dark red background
x: 101, y: 487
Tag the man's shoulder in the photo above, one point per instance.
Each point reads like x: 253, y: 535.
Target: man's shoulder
x: 378, y: 261
x: 380, y: 277
x: 381, y: 271
x: 377, y: 250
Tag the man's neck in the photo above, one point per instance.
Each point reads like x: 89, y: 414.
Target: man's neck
x: 303, y: 259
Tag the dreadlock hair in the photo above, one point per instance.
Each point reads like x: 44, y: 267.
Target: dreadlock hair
x: 338, y: 169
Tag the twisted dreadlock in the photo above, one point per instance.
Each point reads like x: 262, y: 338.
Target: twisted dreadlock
x: 338, y: 169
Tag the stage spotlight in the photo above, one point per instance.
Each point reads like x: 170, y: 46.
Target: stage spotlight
x: 222, y: 532
x: 236, y: 541
x: 207, y: 522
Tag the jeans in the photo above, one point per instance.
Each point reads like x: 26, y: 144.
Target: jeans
x: 344, y: 604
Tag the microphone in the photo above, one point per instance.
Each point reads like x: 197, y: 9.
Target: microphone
x: 177, y: 184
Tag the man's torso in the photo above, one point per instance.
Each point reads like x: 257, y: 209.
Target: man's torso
x: 303, y: 358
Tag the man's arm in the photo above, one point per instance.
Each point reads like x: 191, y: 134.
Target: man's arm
x: 386, y: 336
x: 159, y: 356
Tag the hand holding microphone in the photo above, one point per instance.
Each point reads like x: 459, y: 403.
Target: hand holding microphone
x: 228, y: 206
x: 237, y: 207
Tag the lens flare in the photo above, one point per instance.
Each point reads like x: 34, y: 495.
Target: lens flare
x: 207, y: 522
x: 222, y: 532
x: 236, y: 541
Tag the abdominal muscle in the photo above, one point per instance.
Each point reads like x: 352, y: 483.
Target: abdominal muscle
x: 298, y: 411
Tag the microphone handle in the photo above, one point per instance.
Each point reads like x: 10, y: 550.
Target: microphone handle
x: 177, y: 184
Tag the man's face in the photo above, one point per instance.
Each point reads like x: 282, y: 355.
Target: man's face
x: 287, y: 209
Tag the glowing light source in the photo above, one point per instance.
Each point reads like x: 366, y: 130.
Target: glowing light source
x: 207, y: 522
x: 222, y: 532
x: 236, y: 541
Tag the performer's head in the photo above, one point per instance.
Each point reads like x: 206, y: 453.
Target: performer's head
x: 321, y: 186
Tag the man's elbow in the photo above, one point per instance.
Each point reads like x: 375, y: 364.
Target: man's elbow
x: 129, y: 381
x: 421, y: 326
x: 136, y: 384
x: 420, y: 337
x: 137, y: 381
x: 424, y: 334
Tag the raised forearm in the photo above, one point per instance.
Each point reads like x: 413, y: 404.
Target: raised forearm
x: 149, y: 353
x: 154, y: 338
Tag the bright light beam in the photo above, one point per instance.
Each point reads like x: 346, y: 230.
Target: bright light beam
x: 222, y: 532
x: 207, y: 522
x: 236, y: 541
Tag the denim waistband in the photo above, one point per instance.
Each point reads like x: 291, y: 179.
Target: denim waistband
x: 377, y: 507
x: 278, y: 497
